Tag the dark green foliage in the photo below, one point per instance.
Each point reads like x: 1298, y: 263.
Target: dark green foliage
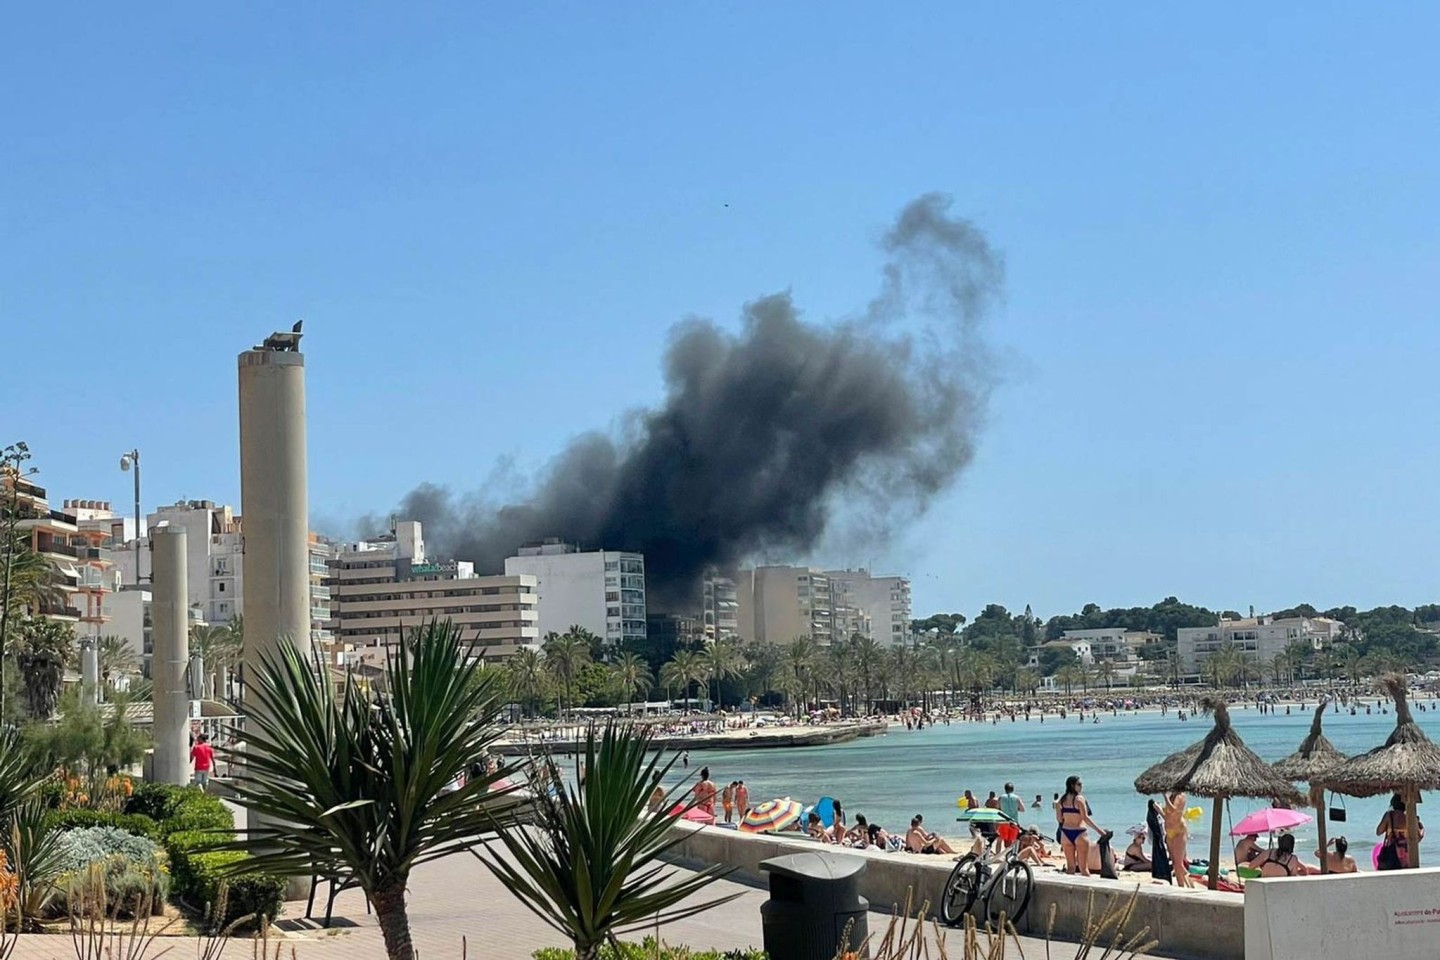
x: 85, y: 743
x: 587, y: 867
x: 197, y: 874
x: 79, y: 818
x: 178, y: 809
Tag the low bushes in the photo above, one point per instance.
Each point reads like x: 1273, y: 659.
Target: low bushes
x: 79, y: 817
x: 198, y: 876
x: 108, y: 869
x: 178, y: 809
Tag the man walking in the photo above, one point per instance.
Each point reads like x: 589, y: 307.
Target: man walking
x: 203, y: 756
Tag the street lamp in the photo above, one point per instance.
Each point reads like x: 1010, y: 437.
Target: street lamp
x: 128, y: 460
x: 10, y: 460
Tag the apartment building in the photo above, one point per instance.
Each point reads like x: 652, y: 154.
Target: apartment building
x: 719, y: 606
x: 777, y: 604
x: 880, y: 605
x: 1259, y: 638
x: 600, y: 590
x: 380, y: 588
x: 83, y: 577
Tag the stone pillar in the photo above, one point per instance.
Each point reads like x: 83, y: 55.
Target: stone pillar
x: 90, y: 671
x: 170, y: 613
x: 274, y: 505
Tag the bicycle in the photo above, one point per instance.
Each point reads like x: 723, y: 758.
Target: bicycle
x: 1005, y: 890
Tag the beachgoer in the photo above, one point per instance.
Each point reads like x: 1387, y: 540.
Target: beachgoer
x: 970, y: 802
x: 742, y: 800
x: 203, y: 756
x: 1055, y: 806
x: 1032, y: 847
x: 1074, y: 814
x: 1281, y: 862
x: 1336, y: 860
x: 727, y: 800
x: 1135, y: 860
x: 1175, y: 836
x: 1395, y: 851
x: 705, y: 792
x: 815, y: 828
x: 837, y: 823
x: 657, y: 798
x: 992, y: 802
x: 1248, y: 848
x: 858, y: 835
x: 920, y: 840
x: 1010, y: 804
x: 1036, y: 805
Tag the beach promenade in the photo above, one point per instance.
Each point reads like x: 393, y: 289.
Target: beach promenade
x: 457, y: 901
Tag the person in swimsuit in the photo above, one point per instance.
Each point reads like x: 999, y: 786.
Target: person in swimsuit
x: 1074, y: 814
x: 727, y: 800
x: 1281, y: 862
x: 742, y: 800
x: 920, y: 840
x: 1248, y: 849
x: 1175, y: 835
x: 1135, y: 859
x: 1392, y: 828
x: 705, y: 792
x: 1336, y: 860
x: 837, y: 824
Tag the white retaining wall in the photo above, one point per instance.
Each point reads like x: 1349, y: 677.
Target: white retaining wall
x: 1394, y: 915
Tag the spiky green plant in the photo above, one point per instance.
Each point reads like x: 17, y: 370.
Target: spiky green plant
x: 588, y: 866
x: 354, y: 781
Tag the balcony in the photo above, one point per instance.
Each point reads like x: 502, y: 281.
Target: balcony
x: 58, y: 548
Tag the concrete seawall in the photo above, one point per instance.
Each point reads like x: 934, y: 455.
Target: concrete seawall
x: 777, y: 737
x: 1189, y: 924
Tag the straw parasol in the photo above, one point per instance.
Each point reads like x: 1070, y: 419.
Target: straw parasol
x: 1220, y: 767
x: 1316, y: 760
x: 1407, y: 763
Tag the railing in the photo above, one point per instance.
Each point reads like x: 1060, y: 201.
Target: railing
x: 63, y: 549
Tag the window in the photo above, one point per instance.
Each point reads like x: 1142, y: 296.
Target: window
x: 612, y: 611
x: 222, y: 586
x: 612, y: 565
x: 612, y: 596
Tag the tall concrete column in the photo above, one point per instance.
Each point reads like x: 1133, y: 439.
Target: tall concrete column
x: 274, y: 504
x: 90, y: 671
x: 170, y: 615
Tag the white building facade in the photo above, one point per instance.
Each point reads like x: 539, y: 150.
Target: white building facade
x: 600, y: 590
x: 882, y: 604
x: 1258, y: 638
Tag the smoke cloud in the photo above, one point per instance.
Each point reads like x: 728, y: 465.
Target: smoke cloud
x: 767, y: 434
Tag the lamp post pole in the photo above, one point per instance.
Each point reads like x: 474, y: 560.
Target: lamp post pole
x: 10, y: 460
x: 128, y: 460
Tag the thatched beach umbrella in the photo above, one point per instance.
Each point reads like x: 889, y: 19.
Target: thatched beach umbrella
x: 1315, y: 761
x: 1407, y: 763
x: 1220, y: 767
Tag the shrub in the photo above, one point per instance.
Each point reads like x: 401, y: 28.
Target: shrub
x: 78, y: 817
x: 178, y: 809
x: 91, y: 844
x: 198, y: 876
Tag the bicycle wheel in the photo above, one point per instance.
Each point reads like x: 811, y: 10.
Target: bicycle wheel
x: 960, y: 890
x: 1010, y: 892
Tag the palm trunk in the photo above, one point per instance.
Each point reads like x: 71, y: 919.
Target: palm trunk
x: 587, y: 952
x: 394, y: 921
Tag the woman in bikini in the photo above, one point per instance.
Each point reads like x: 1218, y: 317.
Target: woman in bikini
x: 1392, y: 828
x: 1281, y: 861
x: 1175, y: 836
x: 1074, y: 814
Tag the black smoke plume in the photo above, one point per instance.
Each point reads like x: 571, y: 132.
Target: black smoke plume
x: 766, y: 434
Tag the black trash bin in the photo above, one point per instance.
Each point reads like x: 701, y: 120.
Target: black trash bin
x: 813, y: 898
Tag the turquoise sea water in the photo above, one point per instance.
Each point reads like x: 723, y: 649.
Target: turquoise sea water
x: 891, y: 778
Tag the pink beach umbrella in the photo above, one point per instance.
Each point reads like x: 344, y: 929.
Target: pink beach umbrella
x: 1269, y: 820
x: 694, y: 814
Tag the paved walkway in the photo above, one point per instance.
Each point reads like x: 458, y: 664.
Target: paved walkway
x: 456, y: 904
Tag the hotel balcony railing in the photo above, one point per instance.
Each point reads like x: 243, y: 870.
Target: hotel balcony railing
x: 53, y: 546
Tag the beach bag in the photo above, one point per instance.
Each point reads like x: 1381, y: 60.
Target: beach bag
x: 1389, y: 856
x: 1337, y: 814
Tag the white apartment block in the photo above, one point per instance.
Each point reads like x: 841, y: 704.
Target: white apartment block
x: 381, y: 588
x: 778, y: 604
x: 719, y: 606
x: 1109, y: 643
x: 600, y: 590
x: 882, y: 605
x: 1258, y: 638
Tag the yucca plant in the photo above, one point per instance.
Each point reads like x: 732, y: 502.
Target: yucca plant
x: 587, y: 867
x: 353, y: 781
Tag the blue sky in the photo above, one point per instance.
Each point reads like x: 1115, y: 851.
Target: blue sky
x: 1218, y: 225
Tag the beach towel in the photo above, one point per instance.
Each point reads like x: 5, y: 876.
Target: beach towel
x: 1160, y: 867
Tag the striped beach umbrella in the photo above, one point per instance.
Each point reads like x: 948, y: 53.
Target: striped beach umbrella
x: 771, y: 816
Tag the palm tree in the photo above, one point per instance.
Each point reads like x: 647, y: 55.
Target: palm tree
x: 584, y: 862
x: 34, y: 582
x: 721, y: 660
x: 1106, y: 669
x: 868, y: 653
x: 565, y: 654
x: 355, y: 781
x: 117, y: 659
x: 45, y: 646
x: 1027, y: 680
x: 632, y: 673
x: 1069, y: 675
x: 217, y: 648
x: 689, y: 667
x: 527, y: 676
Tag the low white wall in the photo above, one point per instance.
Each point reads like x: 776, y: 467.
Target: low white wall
x: 1394, y: 915
x: 1189, y: 924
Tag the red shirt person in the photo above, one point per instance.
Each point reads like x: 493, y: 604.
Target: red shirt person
x: 203, y: 756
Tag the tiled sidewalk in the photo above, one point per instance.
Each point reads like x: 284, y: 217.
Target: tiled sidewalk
x: 457, y: 901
